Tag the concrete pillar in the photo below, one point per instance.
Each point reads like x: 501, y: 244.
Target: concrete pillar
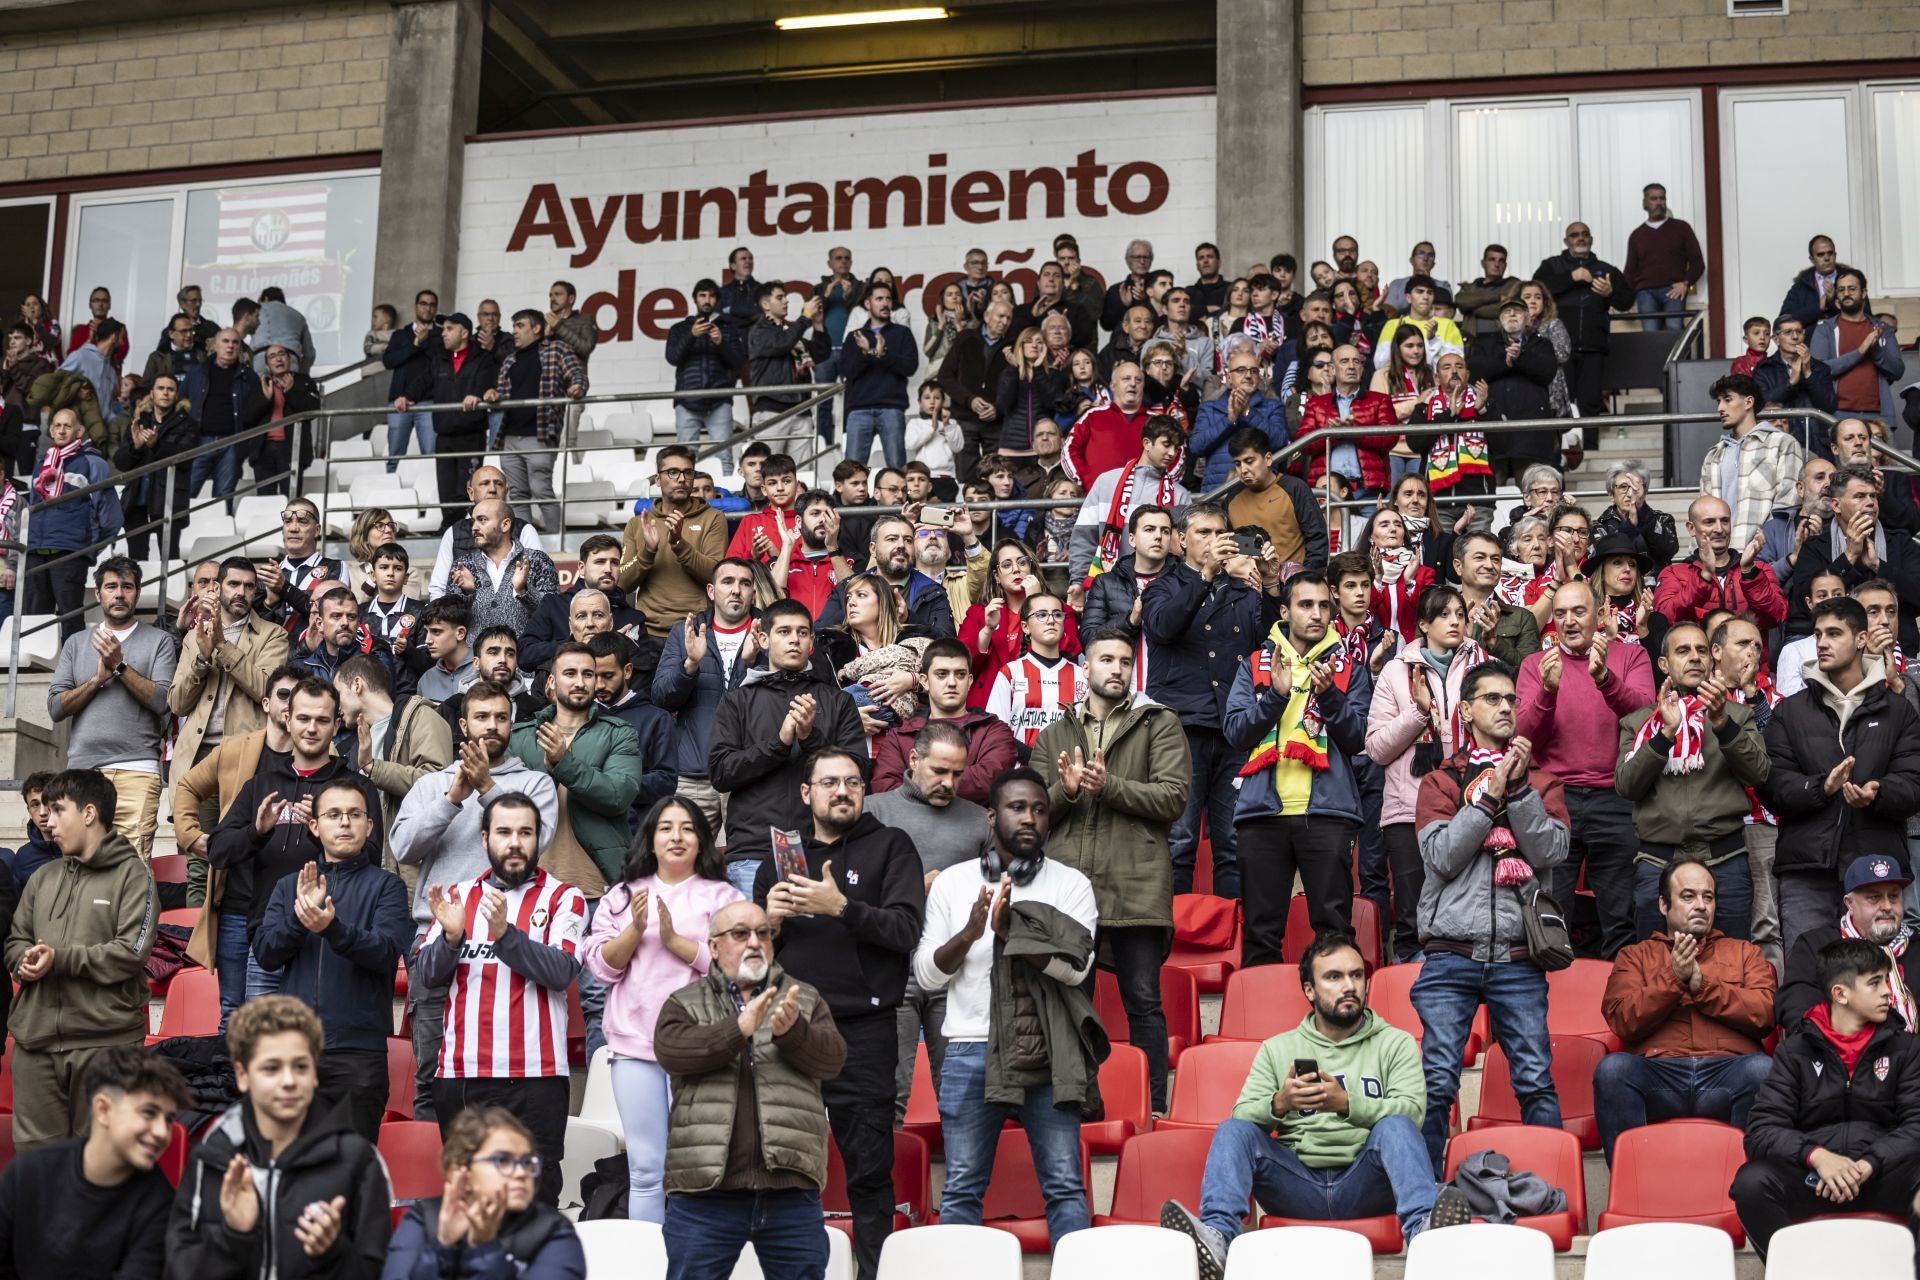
x: 1259, y: 206
x: 433, y: 103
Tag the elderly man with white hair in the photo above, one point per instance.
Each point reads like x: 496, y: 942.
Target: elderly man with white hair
x: 1130, y: 290
x: 1629, y: 510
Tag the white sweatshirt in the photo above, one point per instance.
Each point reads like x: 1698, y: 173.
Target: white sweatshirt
x: 950, y: 902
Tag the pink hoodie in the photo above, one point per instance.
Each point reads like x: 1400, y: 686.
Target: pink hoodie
x: 636, y: 994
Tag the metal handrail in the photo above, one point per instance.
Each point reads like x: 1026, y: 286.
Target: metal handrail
x: 1696, y: 329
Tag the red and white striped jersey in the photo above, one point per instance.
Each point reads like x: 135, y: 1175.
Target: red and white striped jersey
x: 1030, y: 693
x: 502, y: 1024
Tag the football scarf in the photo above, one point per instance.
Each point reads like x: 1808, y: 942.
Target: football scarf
x: 1114, y: 530
x: 1298, y: 734
x: 1688, y: 750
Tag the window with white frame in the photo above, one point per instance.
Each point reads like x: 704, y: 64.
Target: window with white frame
x: 1896, y: 136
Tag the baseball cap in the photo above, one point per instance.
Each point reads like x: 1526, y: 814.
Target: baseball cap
x: 460, y: 318
x: 1875, y: 868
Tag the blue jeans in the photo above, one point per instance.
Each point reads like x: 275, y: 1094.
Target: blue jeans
x: 231, y: 961
x: 1398, y: 466
x: 1216, y: 785
x: 1732, y: 898
x: 970, y: 1127
x: 742, y: 873
x: 263, y: 982
x: 496, y: 422
x: 889, y: 424
x: 399, y: 427
x: 222, y: 464
x: 1390, y: 1175
x: 1656, y: 300
x: 705, y: 1233
x: 1630, y: 1091
x: 1449, y: 991
x: 690, y: 417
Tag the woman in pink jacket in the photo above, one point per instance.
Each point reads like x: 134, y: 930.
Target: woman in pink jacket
x: 1415, y: 723
x: 649, y: 939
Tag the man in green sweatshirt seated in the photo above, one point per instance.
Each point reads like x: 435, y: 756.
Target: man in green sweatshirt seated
x: 1328, y: 1124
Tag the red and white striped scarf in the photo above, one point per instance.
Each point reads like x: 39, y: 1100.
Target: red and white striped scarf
x: 1508, y: 867
x: 1118, y: 512
x: 1260, y: 328
x: 1687, y: 752
x: 51, y: 480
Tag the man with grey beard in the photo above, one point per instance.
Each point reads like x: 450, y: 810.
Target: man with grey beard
x: 1873, y: 910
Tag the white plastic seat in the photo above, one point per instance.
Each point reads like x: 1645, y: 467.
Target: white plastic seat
x: 1325, y: 1253
x: 353, y: 447
x: 258, y: 508
x: 1858, y: 1248
x: 597, y: 1104
x: 618, y: 428
x: 1099, y: 1253
x: 618, y: 1249
x: 599, y: 464
x: 586, y: 1143
x: 339, y: 519
x: 1660, y: 1248
x: 419, y: 473
x: 1481, y: 1248
x: 952, y: 1252
x: 41, y: 648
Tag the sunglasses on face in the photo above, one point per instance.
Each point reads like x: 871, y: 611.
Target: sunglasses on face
x: 739, y: 934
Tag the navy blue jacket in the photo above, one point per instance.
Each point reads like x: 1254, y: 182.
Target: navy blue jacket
x: 81, y: 522
x: 344, y: 973
x: 701, y: 364
x: 927, y: 607
x: 35, y: 852
x: 879, y: 381
x: 654, y: 728
x: 1815, y: 391
x: 1197, y: 635
x: 691, y: 699
x: 1336, y: 789
x: 549, y: 628
x: 250, y: 403
x: 1211, y: 431
x: 412, y: 364
x: 1803, y: 302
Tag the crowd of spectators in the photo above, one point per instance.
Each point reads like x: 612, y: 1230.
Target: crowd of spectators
x: 780, y: 786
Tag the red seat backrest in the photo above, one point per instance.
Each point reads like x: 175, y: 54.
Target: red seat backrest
x: 1166, y: 1164
x: 1676, y: 1169
x: 169, y: 868
x: 1574, y: 996
x: 912, y: 1176
x: 1366, y: 930
x: 400, y: 1076
x: 1390, y: 994
x: 192, y: 1006
x: 411, y: 1149
x: 1262, y: 1002
x: 1575, y: 1059
x: 1124, y: 1088
x: 173, y: 1161
x: 1209, y: 1081
x: 1204, y: 922
x: 1014, y: 1190
x: 1179, y: 1002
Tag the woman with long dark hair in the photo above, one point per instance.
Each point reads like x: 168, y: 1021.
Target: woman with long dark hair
x: 649, y: 939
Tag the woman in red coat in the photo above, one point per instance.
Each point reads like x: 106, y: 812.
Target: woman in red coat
x: 992, y: 632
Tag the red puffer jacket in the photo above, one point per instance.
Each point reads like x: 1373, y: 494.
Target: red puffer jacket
x: 1370, y: 409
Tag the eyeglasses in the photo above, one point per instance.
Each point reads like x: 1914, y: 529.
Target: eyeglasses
x: 298, y: 517
x: 1542, y: 490
x: 1322, y: 364
x: 1047, y: 615
x: 507, y: 1165
x: 739, y: 934
x: 1499, y: 699
x: 343, y: 815
x: 283, y: 695
x: 1244, y: 368
x: 854, y: 783
x: 675, y: 473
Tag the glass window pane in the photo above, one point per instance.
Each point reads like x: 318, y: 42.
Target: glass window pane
x: 1623, y: 147
x: 1374, y: 187
x: 1770, y: 221
x: 1896, y: 122
x: 125, y: 248
x: 314, y: 237
x: 1514, y: 182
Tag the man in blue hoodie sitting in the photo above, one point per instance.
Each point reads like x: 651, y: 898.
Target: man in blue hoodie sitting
x: 56, y: 582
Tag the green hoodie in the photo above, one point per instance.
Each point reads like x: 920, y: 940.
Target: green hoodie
x: 601, y: 772
x: 1379, y: 1066
x: 98, y: 915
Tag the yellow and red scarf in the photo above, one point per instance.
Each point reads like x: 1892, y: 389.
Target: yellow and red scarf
x: 1298, y: 734
x: 1456, y: 455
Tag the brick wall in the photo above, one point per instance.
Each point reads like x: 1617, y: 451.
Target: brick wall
x: 302, y: 81
x: 1383, y: 41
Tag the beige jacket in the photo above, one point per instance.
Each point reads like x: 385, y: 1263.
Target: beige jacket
x: 246, y: 663
x: 222, y: 774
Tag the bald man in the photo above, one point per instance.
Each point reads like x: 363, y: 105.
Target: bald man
x: 1586, y: 680
x: 1716, y: 576
x: 487, y: 482
x: 503, y: 579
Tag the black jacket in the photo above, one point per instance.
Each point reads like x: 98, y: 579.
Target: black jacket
x: 549, y: 628
x: 654, y: 728
x: 1584, y: 312
x: 1198, y: 634
x: 475, y: 377
x: 1819, y: 832
x: 1900, y: 566
x: 1809, y: 1101
x: 972, y: 369
x: 746, y: 757
x: 703, y: 365
x: 1110, y: 598
x: 1517, y: 392
x: 345, y: 974
x: 1800, y: 990
x: 412, y: 363
x: 1654, y: 529
x: 254, y: 863
x: 328, y: 1159
x: 858, y: 962
x: 1022, y: 403
x: 56, y: 1225
x: 178, y: 433
x: 769, y: 347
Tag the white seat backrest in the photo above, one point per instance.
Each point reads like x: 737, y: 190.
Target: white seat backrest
x: 597, y: 1104
x: 617, y: 1249
x: 1660, y: 1248
x: 1481, y: 1248
x: 1100, y: 1253
x: 587, y: 1142
x: 1858, y: 1248
x: 1325, y: 1253
x: 950, y: 1252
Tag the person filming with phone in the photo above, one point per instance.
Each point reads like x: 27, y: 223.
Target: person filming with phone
x: 1328, y: 1123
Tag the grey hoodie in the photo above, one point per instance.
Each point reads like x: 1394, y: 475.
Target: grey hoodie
x: 444, y: 841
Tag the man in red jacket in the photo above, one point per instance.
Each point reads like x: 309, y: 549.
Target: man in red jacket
x: 946, y: 673
x: 1109, y: 437
x: 1350, y: 404
x: 1711, y: 579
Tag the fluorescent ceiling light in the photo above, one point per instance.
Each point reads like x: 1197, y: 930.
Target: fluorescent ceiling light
x: 861, y: 18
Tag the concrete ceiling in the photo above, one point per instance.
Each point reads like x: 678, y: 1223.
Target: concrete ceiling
x: 564, y: 63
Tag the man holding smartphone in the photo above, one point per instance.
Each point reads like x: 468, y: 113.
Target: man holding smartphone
x: 1328, y: 1123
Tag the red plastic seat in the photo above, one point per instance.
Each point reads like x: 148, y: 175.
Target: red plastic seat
x: 1554, y: 1154
x: 6, y: 1078
x: 1676, y: 1171
x: 411, y: 1149
x: 1212, y: 952
x: 1262, y: 1002
x: 169, y: 868
x: 1127, y: 1094
x: 1366, y: 930
x: 1574, y: 996
x: 192, y: 1006
x: 173, y: 1161
x: 1390, y: 994
x: 1383, y: 1232
x: 1208, y: 1084
x: 1166, y: 1164
x: 1179, y: 1003
x: 184, y: 917
x: 1013, y: 1202
x: 912, y: 1184
x: 400, y: 1078
x: 1574, y: 1060
x: 923, y: 1103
